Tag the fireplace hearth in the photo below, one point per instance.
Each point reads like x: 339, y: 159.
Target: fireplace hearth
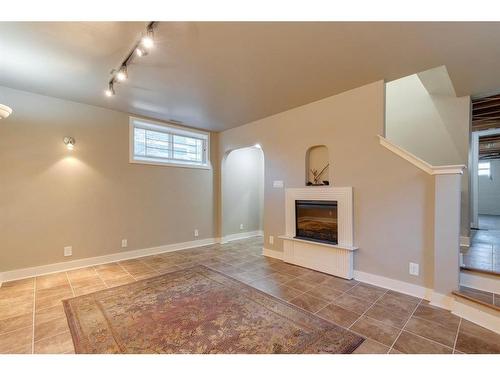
x: 316, y: 220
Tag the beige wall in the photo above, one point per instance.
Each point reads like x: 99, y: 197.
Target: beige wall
x: 243, y: 190
x: 429, y: 121
x: 90, y: 198
x: 393, y: 200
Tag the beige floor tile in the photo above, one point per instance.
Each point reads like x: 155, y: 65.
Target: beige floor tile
x: 437, y: 315
x: 58, y: 344
x: 387, y: 316
x: 412, y: 344
x: 51, y: 313
x: 127, y: 279
x: 376, y: 330
x: 301, y: 285
x: 16, y: 341
x: 371, y: 347
x: 110, y: 273
x: 86, y: 282
x: 89, y: 289
x: 323, y: 292
x: 15, y: 323
x: 266, y: 283
x: 16, y: 297
x: 20, y: 284
x: 315, y: 277
x: 52, y: 300
x: 282, y: 292
x: 475, y: 339
x: 16, y: 307
x: 280, y: 277
x: 81, y: 273
x: 50, y: 328
x: 398, y: 305
x: 352, y: 303
x: 338, y: 315
x: 309, y: 303
x: 431, y: 330
x: 52, y: 280
x: 53, y: 291
x: 367, y: 292
x: 340, y: 284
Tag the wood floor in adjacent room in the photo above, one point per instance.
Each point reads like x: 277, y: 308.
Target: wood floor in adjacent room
x: 32, y: 319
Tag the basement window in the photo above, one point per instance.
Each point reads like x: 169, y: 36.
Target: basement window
x: 484, y: 169
x: 165, y: 144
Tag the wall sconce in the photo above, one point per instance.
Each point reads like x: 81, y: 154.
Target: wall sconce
x: 69, y: 142
x: 4, y: 111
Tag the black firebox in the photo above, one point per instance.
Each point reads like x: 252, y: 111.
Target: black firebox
x: 316, y: 221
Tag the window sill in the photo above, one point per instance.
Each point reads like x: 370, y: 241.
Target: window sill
x: 178, y: 165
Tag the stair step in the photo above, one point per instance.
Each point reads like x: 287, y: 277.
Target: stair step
x: 480, y: 270
x: 481, y: 297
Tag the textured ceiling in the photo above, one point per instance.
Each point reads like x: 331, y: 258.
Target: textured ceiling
x: 220, y: 75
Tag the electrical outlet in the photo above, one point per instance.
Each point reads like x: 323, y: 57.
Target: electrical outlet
x: 278, y: 184
x: 124, y: 242
x: 271, y: 240
x: 414, y: 269
x: 241, y: 226
x: 68, y: 251
x: 196, y: 233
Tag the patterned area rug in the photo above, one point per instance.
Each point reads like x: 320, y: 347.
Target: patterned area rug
x: 198, y: 310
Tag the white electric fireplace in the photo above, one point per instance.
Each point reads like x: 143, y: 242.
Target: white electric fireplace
x: 319, y: 229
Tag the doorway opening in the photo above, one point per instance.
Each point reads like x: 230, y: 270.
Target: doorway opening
x: 242, y: 193
x: 484, y: 251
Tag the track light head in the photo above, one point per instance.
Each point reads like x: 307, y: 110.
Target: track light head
x: 122, y: 75
x: 110, y: 91
x: 70, y: 143
x: 140, y: 51
x: 147, y: 41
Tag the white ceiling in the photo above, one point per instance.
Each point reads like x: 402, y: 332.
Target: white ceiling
x: 220, y: 75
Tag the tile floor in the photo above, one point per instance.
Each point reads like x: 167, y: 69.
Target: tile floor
x: 484, y: 252
x: 32, y: 319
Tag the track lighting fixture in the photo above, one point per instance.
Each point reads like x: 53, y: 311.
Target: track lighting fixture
x: 140, y: 49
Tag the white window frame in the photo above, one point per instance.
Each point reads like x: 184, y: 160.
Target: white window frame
x: 136, y: 122
x: 488, y: 169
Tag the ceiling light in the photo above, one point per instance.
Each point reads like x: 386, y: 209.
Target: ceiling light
x: 148, y: 42
x: 140, y: 49
x: 4, y: 111
x: 257, y: 145
x: 140, y: 52
x: 69, y: 142
x: 122, y: 74
x: 110, y: 91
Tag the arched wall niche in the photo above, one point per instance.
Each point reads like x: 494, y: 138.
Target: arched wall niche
x: 317, y: 166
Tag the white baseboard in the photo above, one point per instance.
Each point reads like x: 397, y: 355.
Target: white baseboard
x: 272, y: 253
x: 464, y: 241
x: 241, y: 236
x: 481, y: 281
x: 442, y: 300
x: 396, y: 285
x: 109, y: 258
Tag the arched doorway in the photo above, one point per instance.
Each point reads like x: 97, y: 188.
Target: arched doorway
x: 242, y: 193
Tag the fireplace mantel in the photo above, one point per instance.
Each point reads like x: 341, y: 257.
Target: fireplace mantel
x: 333, y: 259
